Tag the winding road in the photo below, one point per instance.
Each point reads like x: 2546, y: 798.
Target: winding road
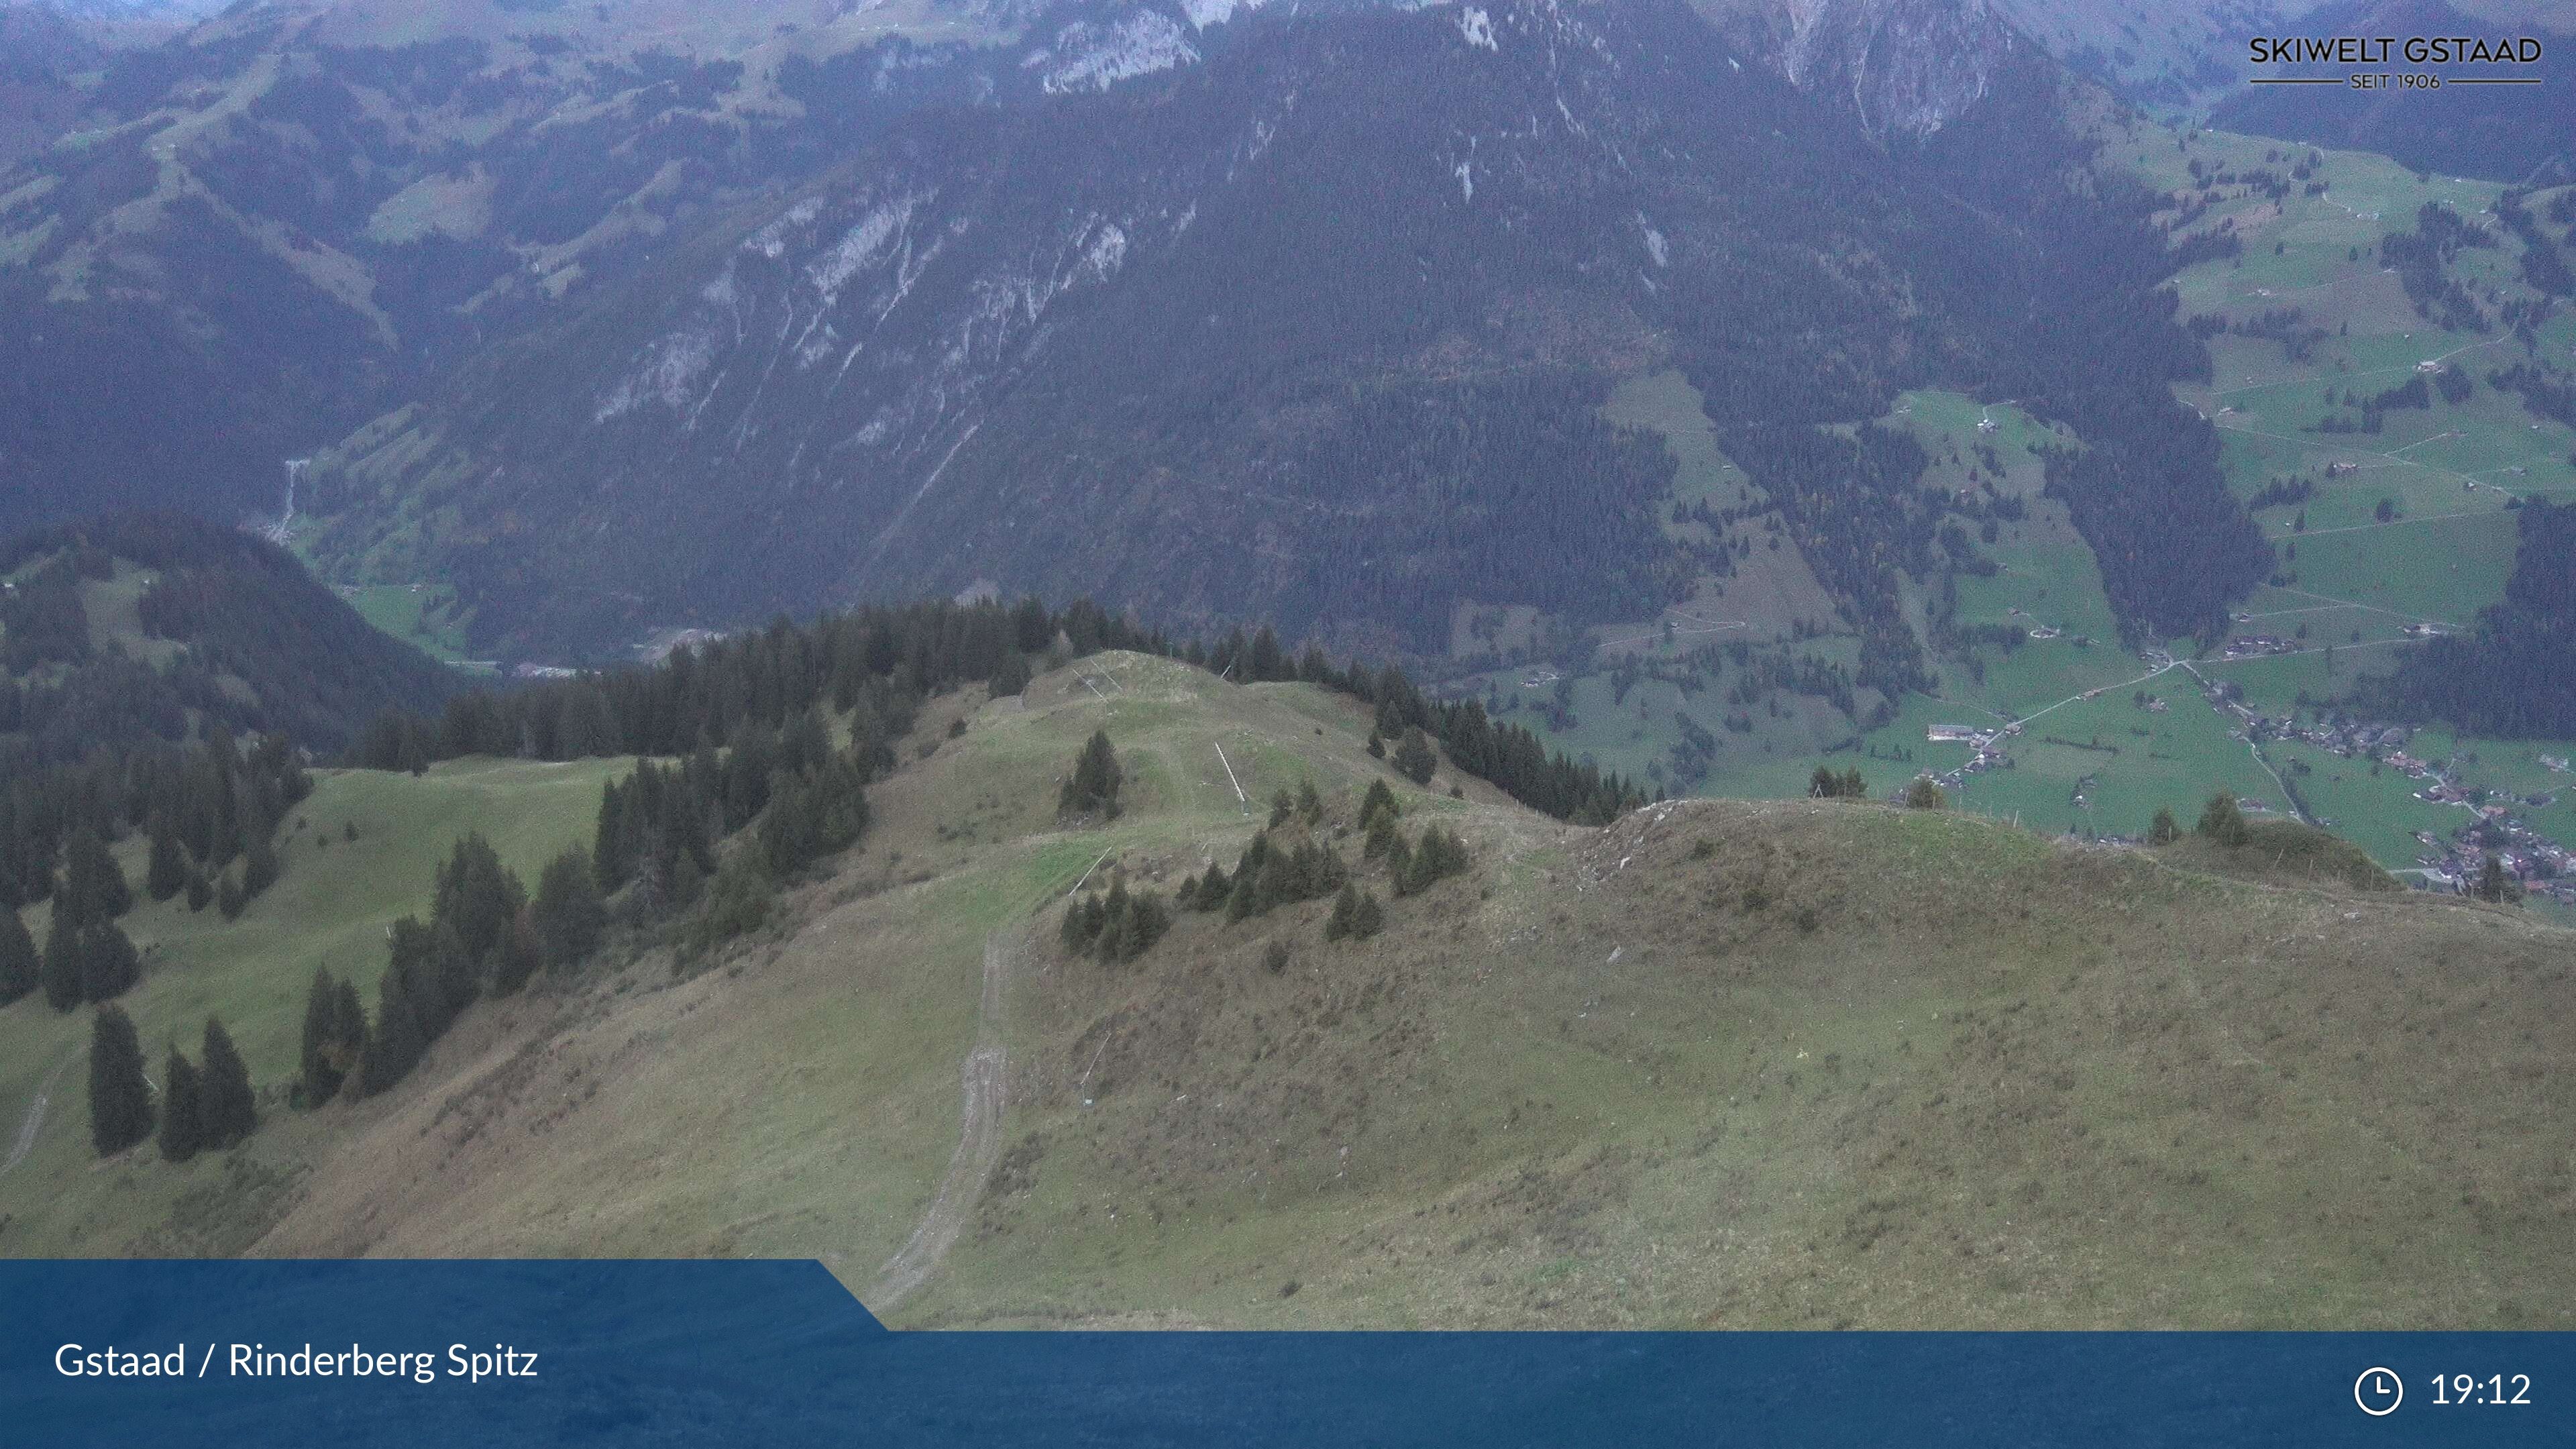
x: 979, y: 1146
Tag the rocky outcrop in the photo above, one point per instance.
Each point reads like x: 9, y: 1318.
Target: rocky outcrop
x: 1897, y: 67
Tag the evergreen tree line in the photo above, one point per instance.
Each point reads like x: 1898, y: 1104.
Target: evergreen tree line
x: 1119, y: 926
x: 1826, y: 785
x: 709, y: 695
x: 2423, y: 259
x: 267, y: 649
x: 200, y: 1108
x: 2514, y: 677
x: 207, y: 808
x: 485, y: 936
x: 1274, y: 871
x: 882, y: 662
x: 1858, y: 515
x: 1267, y: 875
x: 659, y: 829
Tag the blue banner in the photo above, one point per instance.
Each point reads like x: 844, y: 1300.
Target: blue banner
x: 760, y: 1353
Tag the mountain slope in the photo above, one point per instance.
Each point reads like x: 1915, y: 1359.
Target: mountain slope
x: 138, y: 627
x: 1190, y: 344
x: 1781, y: 1065
x: 228, y: 247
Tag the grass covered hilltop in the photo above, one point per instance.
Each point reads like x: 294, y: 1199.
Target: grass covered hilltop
x: 1788, y: 1064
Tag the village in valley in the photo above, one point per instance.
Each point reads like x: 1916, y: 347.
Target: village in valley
x: 2491, y: 821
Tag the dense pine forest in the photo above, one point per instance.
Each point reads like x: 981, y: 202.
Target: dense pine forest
x: 190, y: 724
x: 2514, y: 677
x: 756, y: 695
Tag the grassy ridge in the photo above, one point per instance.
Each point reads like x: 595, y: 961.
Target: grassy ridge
x: 330, y: 909
x: 1790, y: 1064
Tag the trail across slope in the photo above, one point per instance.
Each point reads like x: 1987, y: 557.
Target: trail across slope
x: 35, y: 1118
x: 979, y: 1146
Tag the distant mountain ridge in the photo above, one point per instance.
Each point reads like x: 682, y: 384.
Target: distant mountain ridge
x: 135, y: 628
x: 903, y: 299
x: 1189, y: 344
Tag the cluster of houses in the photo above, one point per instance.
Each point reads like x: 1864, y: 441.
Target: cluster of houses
x: 1985, y: 751
x: 2542, y: 866
x: 2339, y: 735
x: 2255, y: 646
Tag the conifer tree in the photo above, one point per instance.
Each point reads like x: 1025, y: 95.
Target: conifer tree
x: 62, y: 963
x: 229, y: 1108
x: 519, y: 955
x: 21, y: 969
x: 2165, y: 830
x: 396, y: 1039
x: 1414, y: 757
x: 2222, y: 821
x: 109, y: 963
x: 478, y: 898
x: 1214, y: 889
x: 93, y: 888
x: 1925, y: 794
x: 1147, y: 920
x: 1399, y: 860
x: 2493, y: 884
x: 182, y: 1111
x: 349, y: 1026
x: 229, y: 899
x: 1369, y: 919
x: 1080, y: 928
x: 1378, y: 798
x: 260, y: 867
x: 1346, y: 910
x: 568, y: 913
x: 330, y: 1048
x: 1093, y: 786
x: 199, y: 890
x: 167, y: 875
x: 1440, y: 856
x: 120, y: 1100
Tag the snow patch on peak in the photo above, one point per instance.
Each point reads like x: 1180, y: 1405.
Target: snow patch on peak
x: 1478, y: 28
x: 1655, y: 244
x: 864, y: 245
x: 1206, y: 13
x: 667, y: 373
x: 1089, y: 57
x: 1106, y: 251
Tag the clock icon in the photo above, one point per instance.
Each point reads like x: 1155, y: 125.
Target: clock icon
x: 2378, y: 1391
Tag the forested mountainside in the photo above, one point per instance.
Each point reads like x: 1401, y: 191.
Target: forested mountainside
x: 159, y: 627
x: 1315, y: 331
x: 166, y: 678
x: 222, y: 250
x: 2514, y: 676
